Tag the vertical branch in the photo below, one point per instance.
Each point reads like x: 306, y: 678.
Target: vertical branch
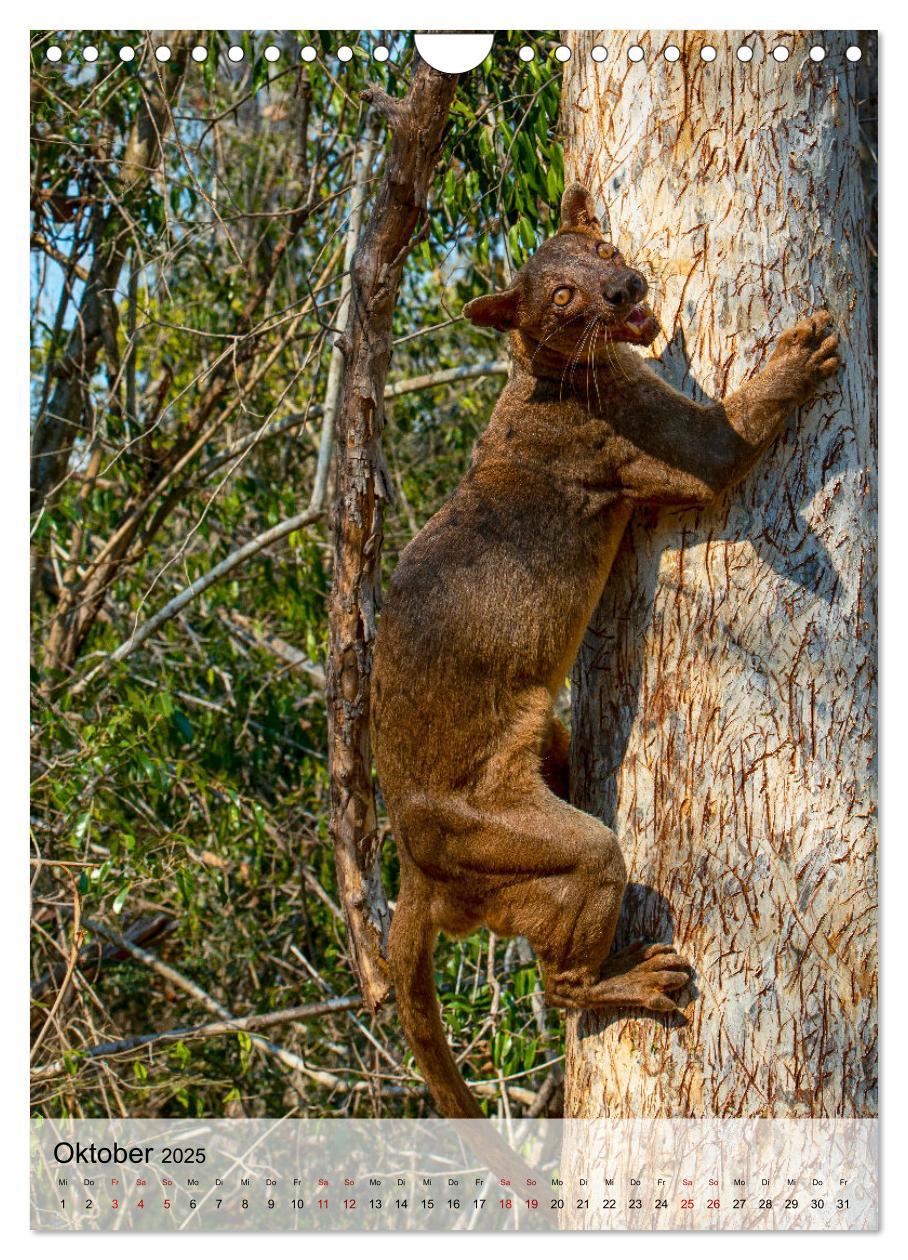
x: 362, y: 162
x: 416, y: 124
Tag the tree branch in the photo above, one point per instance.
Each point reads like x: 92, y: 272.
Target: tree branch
x: 417, y: 125
x: 93, y: 954
x: 196, y: 588
x: 287, y: 1057
x: 445, y: 376
x: 244, y: 628
x: 197, y: 1032
x: 362, y: 162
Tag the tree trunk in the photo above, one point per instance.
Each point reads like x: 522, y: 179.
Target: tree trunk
x: 724, y: 698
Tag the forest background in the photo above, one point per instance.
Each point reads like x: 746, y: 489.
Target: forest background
x: 192, y: 223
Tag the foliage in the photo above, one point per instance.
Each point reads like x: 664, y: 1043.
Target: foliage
x: 188, y: 782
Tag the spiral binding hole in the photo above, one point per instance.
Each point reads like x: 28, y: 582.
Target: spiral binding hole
x: 200, y: 53
x: 235, y: 53
x: 853, y: 53
x: 744, y: 53
x: 272, y: 52
x: 307, y: 53
x: 708, y: 53
x: 90, y: 53
x: 162, y: 53
x: 817, y: 52
x: 672, y: 53
x: 635, y: 52
x: 127, y: 53
x: 562, y: 53
x: 381, y: 53
x: 599, y: 53
x: 526, y: 53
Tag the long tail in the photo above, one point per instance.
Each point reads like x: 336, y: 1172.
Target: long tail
x: 411, y: 947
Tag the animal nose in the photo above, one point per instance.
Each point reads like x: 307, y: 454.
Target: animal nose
x: 625, y: 289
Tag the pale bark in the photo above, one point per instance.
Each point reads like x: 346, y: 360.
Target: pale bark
x: 724, y: 699
x: 361, y: 165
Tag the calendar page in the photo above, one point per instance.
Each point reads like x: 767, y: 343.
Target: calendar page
x: 453, y: 589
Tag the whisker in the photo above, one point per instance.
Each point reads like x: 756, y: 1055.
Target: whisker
x: 572, y: 361
x: 590, y: 368
x: 554, y: 333
x: 595, y: 366
x: 577, y: 358
x: 618, y: 367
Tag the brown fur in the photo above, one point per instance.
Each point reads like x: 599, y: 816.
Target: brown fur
x: 487, y: 608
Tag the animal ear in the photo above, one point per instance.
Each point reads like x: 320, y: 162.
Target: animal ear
x: 578, y: 210
x: 495, y: 310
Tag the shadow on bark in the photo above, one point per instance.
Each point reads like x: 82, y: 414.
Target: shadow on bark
x: 620, y: 624
x: 645, y: 915
x: 805, y: 561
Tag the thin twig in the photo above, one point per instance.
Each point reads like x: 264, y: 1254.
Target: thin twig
x: 70, y: 968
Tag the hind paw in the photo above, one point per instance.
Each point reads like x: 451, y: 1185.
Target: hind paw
x: 643, y: 975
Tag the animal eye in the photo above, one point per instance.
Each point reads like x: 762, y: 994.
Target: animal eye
x: 605, y: 249
x: 562, y: 296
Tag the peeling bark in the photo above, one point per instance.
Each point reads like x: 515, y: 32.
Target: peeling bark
x: 416, y: 123
x: 724, y: 698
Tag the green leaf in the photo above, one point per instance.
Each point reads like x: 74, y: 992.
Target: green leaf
x: 120, y: 899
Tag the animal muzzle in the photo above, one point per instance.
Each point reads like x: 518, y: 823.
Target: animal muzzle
x: 625, y: 288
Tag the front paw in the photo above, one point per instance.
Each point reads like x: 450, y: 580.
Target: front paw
x: 806, y: 355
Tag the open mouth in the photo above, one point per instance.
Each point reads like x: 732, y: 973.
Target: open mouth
x: 639, y: 326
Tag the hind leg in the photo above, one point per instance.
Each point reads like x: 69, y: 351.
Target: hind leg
x: 568, y: 909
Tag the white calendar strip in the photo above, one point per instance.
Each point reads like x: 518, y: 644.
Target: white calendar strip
x: 412, y: 1175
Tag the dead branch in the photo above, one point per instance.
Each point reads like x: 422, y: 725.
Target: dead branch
x: 199, y: 1032
x: 245, y: 629
x: 67, y: 975
x: 286, y: 1057
x: 94, y: 953
x: 417, y: 125
x: 362, y: 161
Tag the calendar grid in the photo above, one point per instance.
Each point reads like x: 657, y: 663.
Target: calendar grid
x: 424, y: 1175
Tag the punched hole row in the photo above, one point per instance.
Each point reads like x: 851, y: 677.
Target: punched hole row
x: 672, y: 53
x: 235, y: 53
x: 526, y: 53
